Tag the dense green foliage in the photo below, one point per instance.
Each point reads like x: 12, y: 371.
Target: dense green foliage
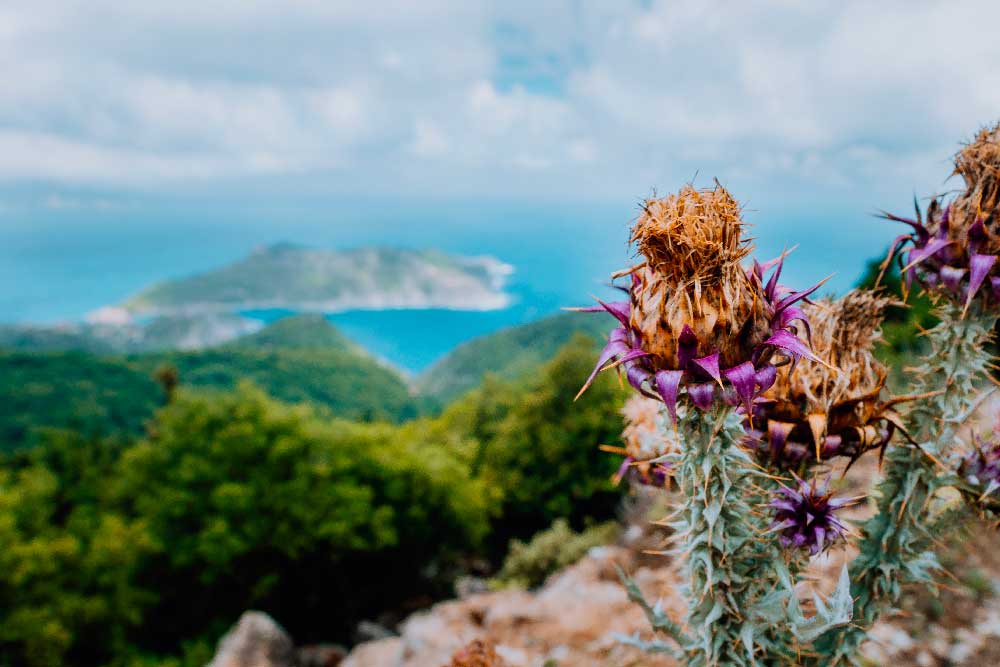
x: 347, y: 384
x: 535, y: 445
x: 233, y: 501
x: 91, y: 395
x: 508, y: 353
x: 299, y: 359
x: 29, y: 338
x: 123, y: 551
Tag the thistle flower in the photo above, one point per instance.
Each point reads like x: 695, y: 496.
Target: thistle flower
x: 981, y: 467
x: 647, y: 443
x: 980, y: 470
x: 954, y: 252
x: 694, y: 317
x: 820, y: 412
x: 805, y: 516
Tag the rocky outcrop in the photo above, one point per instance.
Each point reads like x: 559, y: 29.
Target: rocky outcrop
x: 257, y: 640
x: 571, y: 620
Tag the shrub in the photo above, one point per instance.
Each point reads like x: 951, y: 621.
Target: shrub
x: 528, y: 564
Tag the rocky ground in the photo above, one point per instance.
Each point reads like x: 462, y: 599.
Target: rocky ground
x: 571, y: 620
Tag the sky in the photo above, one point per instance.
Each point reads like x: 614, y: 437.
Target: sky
x: 813, y: 114
x: 560, y: 100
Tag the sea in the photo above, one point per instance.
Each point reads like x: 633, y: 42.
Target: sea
x: 58, y: 264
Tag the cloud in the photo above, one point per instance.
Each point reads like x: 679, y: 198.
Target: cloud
x: 815, y: 99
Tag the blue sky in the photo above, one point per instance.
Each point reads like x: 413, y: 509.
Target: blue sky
x: 815, y: 114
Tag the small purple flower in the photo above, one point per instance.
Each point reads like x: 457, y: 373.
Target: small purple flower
x: 981, y: 467
x: 805, y: 516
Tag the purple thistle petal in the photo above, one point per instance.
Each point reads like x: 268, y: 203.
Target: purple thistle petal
x: 765, y: 377
x: 976, y: 234
x: 918, y: 255
x: 820, y: 534
x: 995, y: 286
x: 797, y: 296
x: 710, y: 365
x: 743, y: 378
x: 807, y: 516
x: 631, y: 355
x: 623, y: 469
x: 610, y: 351
x: 979, y: 267
x: 777, y: 435
x: 702, y: 395
x: 687, y: 346
x: 619, y: 335
x: 772, y: 284
x: 831, y: 446
x: 792, y: 344
x: 667, y: 385
x: 793, y: 314
x: 919, y: 229
x: 766, y: 266
x: 951, y: 277
x: 636, y: 375
x: 621, y: 310
x: 783, y: 504
x: 944, y: 223
x: 729, y: 395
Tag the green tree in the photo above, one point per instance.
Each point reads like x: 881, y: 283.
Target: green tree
x: 67, y: 567
x: 259, y: 504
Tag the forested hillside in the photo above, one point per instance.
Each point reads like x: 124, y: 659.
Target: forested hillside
x: 507, y: 353
x: 143, y: 550
x: 298, y: 359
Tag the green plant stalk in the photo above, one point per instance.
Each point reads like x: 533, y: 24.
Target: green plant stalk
x: 895, y: 545
x: 718, y: 531
x: 740, y: 590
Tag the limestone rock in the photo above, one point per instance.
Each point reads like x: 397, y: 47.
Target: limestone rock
x: 255, y: 641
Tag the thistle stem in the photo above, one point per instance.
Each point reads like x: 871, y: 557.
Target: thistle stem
x: 718, y: 529
x: 896, y: 542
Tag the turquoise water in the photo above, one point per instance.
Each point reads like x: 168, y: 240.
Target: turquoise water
x: 58, y: 265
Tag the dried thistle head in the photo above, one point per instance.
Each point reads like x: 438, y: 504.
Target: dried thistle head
x: 954, y: 252
x: 695, y: 318
x: 979, y: 166
x: 693, y: 278
x: 835, y: 410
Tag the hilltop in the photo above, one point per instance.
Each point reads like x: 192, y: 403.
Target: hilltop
x: 298, y: 278
x: 508, y: 353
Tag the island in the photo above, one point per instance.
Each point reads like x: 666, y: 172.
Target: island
x: 303, y: 279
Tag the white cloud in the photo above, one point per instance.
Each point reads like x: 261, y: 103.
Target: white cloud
x: 429, y: 141
x: 451, y: 97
